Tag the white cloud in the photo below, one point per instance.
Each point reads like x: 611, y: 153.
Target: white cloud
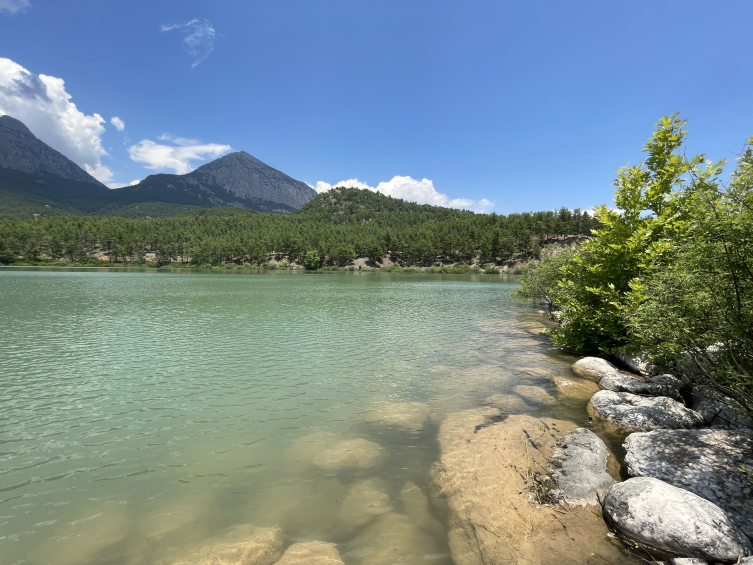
x: 414, y: 190
x: 13, y: 6
x: 41, y: 102
x: 177, y: 157
x: 199, y: 41
x: 122, y: 184
x: 182, y: 141
x: 118, y: 123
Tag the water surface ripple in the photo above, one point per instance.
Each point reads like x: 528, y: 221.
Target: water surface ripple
x: 142, y: 414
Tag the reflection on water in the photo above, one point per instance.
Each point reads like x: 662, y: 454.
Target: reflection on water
x: 145, y: 415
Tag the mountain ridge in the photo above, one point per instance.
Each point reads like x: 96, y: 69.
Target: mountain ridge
x: 21, y: 150
x: 33, y: 175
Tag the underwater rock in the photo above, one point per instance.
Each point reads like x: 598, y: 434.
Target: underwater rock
x: 254, y: 546
x: 408, y: 415
x: 330, y: 453
x: 365, y: 500
x: 310, y: 553
x: 393, y: 538
x: 509, y: 403
x: 486, y: 479
x: 580, y: 389
x: 534, y: 394
x: 416, y: 507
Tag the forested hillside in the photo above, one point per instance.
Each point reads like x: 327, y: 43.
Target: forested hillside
x: 339, y: 225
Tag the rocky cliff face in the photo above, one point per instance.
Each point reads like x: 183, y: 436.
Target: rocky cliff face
x: 245, y: 177
x: 22, y: 151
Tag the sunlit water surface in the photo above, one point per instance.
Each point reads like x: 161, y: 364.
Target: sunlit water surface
x: 144, y: 413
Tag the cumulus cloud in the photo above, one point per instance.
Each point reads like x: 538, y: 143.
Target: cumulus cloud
x: 41, y: 102
x: 177, y: 157
x: 13, y: 6
x: 199, y: 39
x: 414, y: 190
x: 118, y: 123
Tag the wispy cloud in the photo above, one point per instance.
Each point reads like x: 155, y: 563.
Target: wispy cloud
x: 199, y: 39
x: 178, y: 157
x: 14, y: 6
x: 414, y: 190
x: 118, y: 123
x: 42, y: 103
x: 182, y: 141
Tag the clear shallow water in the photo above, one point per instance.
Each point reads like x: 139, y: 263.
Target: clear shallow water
x: 143, y: 414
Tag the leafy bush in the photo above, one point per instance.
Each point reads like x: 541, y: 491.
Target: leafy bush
x: 595, y: 286
x: 670, y: 273
x: 311, y: 260
x: 343, y: 254
x: 540, y: 278
x: 697, y: 305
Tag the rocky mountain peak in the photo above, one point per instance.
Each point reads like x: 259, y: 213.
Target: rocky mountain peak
x: 244, y: 176
x: 22, y: 151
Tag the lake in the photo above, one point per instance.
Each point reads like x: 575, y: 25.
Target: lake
x: 144, y: 414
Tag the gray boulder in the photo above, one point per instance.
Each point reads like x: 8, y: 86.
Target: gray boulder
x: 714, y: 464
x: 688, y: 561
x: 661, y: 516
x: 620, y: 382
x: 671, y: 380
x: 719, y: 411
x: 637, y: 363
x: 581, y: 462
x: 593, y: 368
x: 635, y: 413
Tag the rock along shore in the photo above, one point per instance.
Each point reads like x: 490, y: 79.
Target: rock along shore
x: 520, y: 489
x: 523, y: 490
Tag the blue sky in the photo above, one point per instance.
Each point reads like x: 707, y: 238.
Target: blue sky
x: 510, y: 106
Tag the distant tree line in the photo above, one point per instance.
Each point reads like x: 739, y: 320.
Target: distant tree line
x: 339, y: 226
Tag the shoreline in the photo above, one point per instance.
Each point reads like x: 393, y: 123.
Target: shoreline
x: 251, y: 270
x: 506, y: 504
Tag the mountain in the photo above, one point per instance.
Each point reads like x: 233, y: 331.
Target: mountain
x: 20, y: 150
x: 246, y: 177
x: 238, y: 180
x: 36, y: 179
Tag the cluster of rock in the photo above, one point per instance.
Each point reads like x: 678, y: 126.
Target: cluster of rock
x: 381, y: 529
x: 690, y: 491
x: 262, y: 546
x: 520, y: 489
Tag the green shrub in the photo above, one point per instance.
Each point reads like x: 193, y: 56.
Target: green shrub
x: 312, y: 260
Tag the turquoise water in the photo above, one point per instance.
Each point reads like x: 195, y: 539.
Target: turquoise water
x: 142, y: 414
